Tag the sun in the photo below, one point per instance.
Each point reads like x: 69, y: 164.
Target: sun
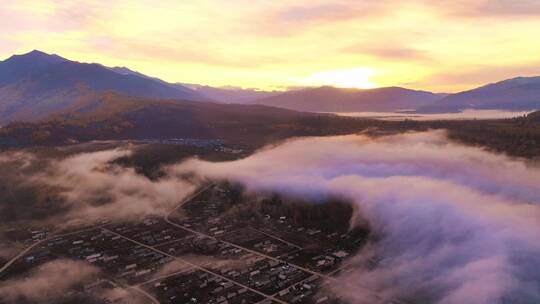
x: 358, y: 78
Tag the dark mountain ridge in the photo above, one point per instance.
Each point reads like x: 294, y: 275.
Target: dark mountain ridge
x: 516, y: 94
x: 18, y: 67
x: 36, y: 85
x: 331, y: 99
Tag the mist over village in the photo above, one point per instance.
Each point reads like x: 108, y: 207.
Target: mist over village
x: 306, y: 152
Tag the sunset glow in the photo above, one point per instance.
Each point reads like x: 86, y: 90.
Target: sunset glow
x: 422, y: 44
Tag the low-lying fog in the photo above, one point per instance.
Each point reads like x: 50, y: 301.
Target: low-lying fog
x: 457, y: 224
x: 464, y: 115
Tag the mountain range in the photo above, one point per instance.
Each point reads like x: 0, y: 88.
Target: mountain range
x: 516, y: 94
x: 231, y: 94
x: 330, y: 99
x: 37, y: 86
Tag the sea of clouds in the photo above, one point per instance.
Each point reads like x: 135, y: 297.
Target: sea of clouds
x: 457, y: 224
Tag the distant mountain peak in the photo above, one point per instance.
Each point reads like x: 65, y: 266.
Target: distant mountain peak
x: 37, y: 84
x: 508, y: 83
x: 36, y: 56
x: 514, y: 94
x: 18, y: 67
x: 37, y: 52
x: 521, y: 80
x: 533, y: 78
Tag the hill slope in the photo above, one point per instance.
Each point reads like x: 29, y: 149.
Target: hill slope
x: 330, y: 99
x: 107, y: 116
x: 516, y: 94
x: 35, y: 85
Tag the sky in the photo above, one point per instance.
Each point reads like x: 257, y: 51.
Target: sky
x: 442, y: 46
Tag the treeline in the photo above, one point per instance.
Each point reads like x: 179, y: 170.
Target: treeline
x: 330, y: 215
x: 518, y: 137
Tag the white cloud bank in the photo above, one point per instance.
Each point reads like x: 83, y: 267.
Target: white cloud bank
x: 458, y: 224
x: 47, y: 283
x: 95, y: 188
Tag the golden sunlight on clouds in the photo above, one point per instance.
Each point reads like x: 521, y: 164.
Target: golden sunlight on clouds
x: 424, y: 44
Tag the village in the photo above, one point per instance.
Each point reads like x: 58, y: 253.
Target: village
x: 196, y: 254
